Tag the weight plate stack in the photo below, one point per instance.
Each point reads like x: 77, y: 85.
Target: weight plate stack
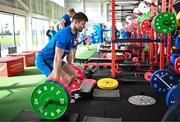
x: 164, y: 22
x: 142, y: 17
x: 146, y: 26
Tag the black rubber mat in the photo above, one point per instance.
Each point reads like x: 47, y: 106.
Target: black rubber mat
x: 106, y: 93
x: 100, y: 119
x: 25, y: 115
x: 28, y: 115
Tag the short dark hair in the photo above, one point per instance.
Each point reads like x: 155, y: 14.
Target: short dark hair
x: 80, y: 16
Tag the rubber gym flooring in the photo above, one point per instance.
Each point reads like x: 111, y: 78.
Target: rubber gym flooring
x: 16, y: 92
x: 16, y: 98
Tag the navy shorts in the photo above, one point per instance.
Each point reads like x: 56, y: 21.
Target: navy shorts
x: 44, y: 65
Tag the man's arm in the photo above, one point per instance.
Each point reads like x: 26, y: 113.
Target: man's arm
x: 70, y: 56
x: 62, y: 23
x: 74, y: 49
x: 57, y: 63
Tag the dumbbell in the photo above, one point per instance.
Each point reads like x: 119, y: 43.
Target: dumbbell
x: 137, y: 64
x: 163, y: 81
x: 147, y: 75
x: 135, y: 59
x: 177, y: 65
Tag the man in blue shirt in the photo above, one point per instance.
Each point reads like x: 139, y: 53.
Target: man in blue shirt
x: 65, y: 21
x: 50, y: 60
x: 50, y: 33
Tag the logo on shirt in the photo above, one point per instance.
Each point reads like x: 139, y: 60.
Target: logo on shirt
x: 75, y: 42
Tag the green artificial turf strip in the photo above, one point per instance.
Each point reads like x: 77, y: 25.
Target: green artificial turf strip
x: 15, y: 92
x: 83, y: 52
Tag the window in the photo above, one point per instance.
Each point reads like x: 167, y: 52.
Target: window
x: 39, y: 38
x: 6, y: 33
x: 12, y: 33
x: 20, y: 39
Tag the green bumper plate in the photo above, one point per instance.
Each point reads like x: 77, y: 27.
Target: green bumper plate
x: 50, y: 100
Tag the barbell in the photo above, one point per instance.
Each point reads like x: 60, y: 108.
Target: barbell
x: 51, y: 99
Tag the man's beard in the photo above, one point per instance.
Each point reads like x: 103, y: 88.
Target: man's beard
x: 79, y: 30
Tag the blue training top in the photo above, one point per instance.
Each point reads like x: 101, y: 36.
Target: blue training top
x: 66, y: 17
x: 63, y: 39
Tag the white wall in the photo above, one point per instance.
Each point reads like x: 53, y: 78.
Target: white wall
x: 94, y: 9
